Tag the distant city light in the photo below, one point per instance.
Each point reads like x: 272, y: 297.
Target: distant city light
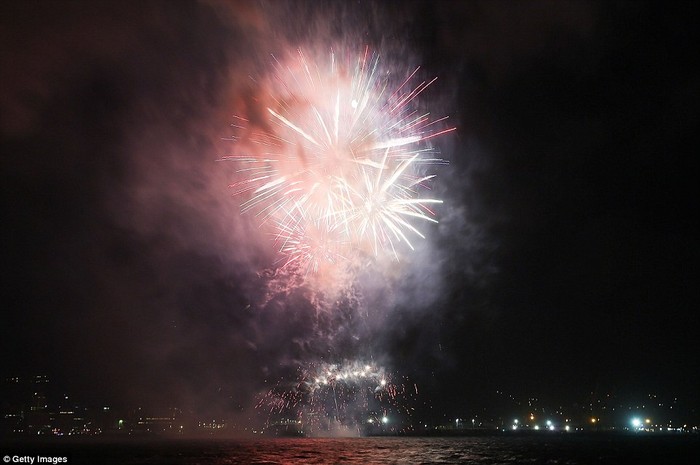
x: 81, y: 421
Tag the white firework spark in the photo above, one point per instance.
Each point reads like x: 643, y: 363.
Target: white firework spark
x: 354, y: 394
x: 337, y: 166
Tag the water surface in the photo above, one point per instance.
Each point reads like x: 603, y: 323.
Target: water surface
x: 560, y: 449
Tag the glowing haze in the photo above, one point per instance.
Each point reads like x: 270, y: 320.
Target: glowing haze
x: 335, y: 161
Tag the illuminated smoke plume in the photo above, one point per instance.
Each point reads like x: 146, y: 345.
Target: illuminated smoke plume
x: 334, y: 162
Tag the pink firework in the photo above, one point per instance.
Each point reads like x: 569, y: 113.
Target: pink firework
x: 338, y: 163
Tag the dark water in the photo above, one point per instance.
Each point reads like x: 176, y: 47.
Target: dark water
x: 565, y: 449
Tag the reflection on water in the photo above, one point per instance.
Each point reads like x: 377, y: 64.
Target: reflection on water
x: 546, y: 449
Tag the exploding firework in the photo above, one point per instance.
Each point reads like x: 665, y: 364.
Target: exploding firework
x: 334, y: 158
x: 336, y: 162
x: 350, y: 398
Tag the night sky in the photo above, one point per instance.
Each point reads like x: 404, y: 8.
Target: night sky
x: 565, y: 261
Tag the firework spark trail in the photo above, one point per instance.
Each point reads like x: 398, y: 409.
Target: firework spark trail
x: 337, y: 168
x: 335, y: 157
x: 352, y: 395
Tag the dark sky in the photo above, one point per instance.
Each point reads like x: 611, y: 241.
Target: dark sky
x: 566, y: 260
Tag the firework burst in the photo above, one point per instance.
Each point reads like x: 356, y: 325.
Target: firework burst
x: 353, y: 396
x: 336, y: 162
